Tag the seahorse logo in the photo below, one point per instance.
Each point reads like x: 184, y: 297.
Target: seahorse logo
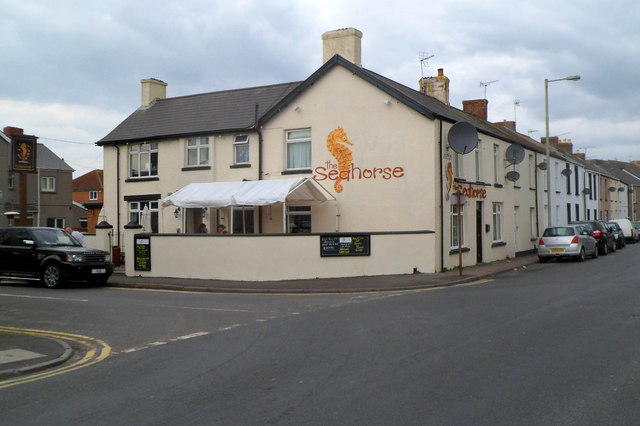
x: 335, y: 144
x: 449, y: 179
x: 23, y: 151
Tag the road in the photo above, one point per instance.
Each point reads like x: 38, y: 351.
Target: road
x: 554, y: 344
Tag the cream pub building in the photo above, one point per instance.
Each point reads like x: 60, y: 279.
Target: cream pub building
x: 375, y: 149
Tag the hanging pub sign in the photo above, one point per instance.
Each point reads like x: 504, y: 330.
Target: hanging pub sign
x: 23, y: 153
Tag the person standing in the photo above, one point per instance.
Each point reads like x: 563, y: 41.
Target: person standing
x: 79, y: 236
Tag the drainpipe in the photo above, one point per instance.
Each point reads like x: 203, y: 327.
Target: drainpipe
x: 441, y: 202
x: 118, y: 194
x: 256, y: 124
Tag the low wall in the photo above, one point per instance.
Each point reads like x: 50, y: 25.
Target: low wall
x: 279, y: 257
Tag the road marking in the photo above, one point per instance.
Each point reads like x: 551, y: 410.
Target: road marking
x: 44, y: 297
x: 97, y: 350
x: 483, y: 281
x: 175, y: 339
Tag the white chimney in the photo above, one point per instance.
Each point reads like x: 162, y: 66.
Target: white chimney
x: 436, y: 87
x: 152, y: 89
x: 345, y: 42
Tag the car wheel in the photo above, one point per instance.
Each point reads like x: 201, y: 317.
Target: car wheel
x: 581, y: 255
x: 52, y: 275
x: 605, y: 249
x: 594, y: 255
x: 613, y: 247
x: 543, y: 259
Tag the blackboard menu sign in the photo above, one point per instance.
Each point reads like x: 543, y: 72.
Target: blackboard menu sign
x: 142, y: 253
x: 345, y: 245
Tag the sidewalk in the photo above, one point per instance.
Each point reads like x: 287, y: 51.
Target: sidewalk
x: 325, y: 285
x: 23, y: 354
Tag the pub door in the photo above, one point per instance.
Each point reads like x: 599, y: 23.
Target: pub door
x: 479, y: 231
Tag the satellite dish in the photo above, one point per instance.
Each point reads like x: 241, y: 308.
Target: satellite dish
x: 566, y: 172
x: 514, y: 154
x: 631, y: 191
x: 463, y: 137
x: 542, y: 166
x: 586, y: 191
x: 621, y: 189
x: 513, y: 176
x: 612, y: 189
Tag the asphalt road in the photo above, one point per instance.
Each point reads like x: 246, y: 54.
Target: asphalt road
x: 554, y: 344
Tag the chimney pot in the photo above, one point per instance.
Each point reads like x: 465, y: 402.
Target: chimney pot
x: 440, y: 72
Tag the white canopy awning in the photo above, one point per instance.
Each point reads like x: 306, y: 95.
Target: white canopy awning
x: 293, y: 191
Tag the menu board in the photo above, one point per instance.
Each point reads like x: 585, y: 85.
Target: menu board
x: 142, y: 253
x: 345, y: 245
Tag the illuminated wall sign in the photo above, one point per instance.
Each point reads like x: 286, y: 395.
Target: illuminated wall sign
x: 23, y: 153
x: 344, y: 170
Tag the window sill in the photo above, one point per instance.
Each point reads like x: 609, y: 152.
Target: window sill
x: 455, y: 250
x: 145, y: 179
x: 240, y: 166
x: 190, y: 168
x: 297, y: 172
x: 498, y: 244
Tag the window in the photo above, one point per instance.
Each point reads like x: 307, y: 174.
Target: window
x: 93, y: 195
x: 11, y: 181
x: 84, y: 222
x: 568, y: 212
x: 299, y: 219
x: 532, y: 221
x: 299, y: 149
x: 577, y: 206
x: 135, y: 212
x: 577, y: 180
x: 243, y: 220
x: 55, y: 222
x: 241, y: 149
x: 457, y: 238
x: 47, y: 184
x: 497, y: 221
x: 143, y: 160
x: 198, y: 151
x: 568, y: 172
x: 496, y: 163
x: 532, y: 172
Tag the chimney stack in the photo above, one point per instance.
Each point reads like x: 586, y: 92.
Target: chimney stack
x: 580, y: 155
x: 477, y: 107
x: 12, y: 131
x: 152, y: 89
x: 552, y: 139
x: 436, y: 87
x: 507, y: 124
x: 345, y: 42
x: 566, y: 146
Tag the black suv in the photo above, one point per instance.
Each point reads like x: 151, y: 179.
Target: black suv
x: 602, y: 234
x: 50, y: 255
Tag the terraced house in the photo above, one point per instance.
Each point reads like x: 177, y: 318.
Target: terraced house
x: 345, y: 160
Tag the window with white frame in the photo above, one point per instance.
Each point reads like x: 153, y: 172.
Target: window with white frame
x: 456, y: 165
x: 532, y: 221
x: 93, y: 195
x: 532, y: 171
x: 143, y: 160
x: 299, y: 219
x: 48, y: 184
x: 457, y: 238
x: 84, y: 222
x: 298, y: 149
x: 241, y: 149
x: 55, y: 222
x: 135, y: 212
x: 197, y: 151
x: 476, y: 154
x: 497, y: 221
x: 496, y: 163
x: 11, y: 181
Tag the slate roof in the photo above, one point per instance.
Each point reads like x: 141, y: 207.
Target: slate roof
x: 207, y: 113
x: 625, y: 172
x: 47, y: 160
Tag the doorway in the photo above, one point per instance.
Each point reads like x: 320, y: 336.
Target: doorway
x: 479, y: 231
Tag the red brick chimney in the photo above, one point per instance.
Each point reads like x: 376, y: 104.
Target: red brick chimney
x: 12, y: 131
x: 580, y: 155
x: 508, y: 124
x: 477, y: 107
x: 552, y: 139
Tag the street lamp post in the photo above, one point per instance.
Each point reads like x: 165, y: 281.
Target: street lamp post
x: 546, y: 123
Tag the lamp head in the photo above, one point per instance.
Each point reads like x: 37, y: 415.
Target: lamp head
x: 573, y: 78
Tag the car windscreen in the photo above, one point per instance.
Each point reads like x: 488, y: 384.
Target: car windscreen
x: 561, y: 231
x: 54, y: 238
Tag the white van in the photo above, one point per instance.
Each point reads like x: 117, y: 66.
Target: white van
x: 630, y: 233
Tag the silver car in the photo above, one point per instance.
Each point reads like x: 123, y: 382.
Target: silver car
x: 573, y: 241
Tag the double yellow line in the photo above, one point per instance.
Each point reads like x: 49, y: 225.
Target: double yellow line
x: 97, y: 350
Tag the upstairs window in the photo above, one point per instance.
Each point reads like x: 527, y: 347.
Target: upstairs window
x: 197, y: 151
x: 48, y: 184
x: 93, y: 195
x: 11, y: 181
x: 299, y: 149
x: 143, y: 160
x: 241, y: 149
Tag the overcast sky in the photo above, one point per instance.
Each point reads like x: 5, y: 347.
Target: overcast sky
x: 71, y: 69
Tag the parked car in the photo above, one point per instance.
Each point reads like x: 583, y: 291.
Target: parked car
x: 630, y: 232
x: 574, y: 241
x: 618, y: 235
x: 50, y: 255
x: 636, y: 225
x: 601, y: 233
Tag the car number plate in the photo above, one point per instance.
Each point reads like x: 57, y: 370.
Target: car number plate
x: 98, y: 271
x: 558, y: 250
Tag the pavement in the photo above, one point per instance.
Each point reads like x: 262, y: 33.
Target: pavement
x: 22, y: 354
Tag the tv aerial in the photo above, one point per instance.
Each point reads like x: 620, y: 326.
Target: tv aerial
x: 463, y: 137
x: 423, y: 58
x: 485, y: 84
